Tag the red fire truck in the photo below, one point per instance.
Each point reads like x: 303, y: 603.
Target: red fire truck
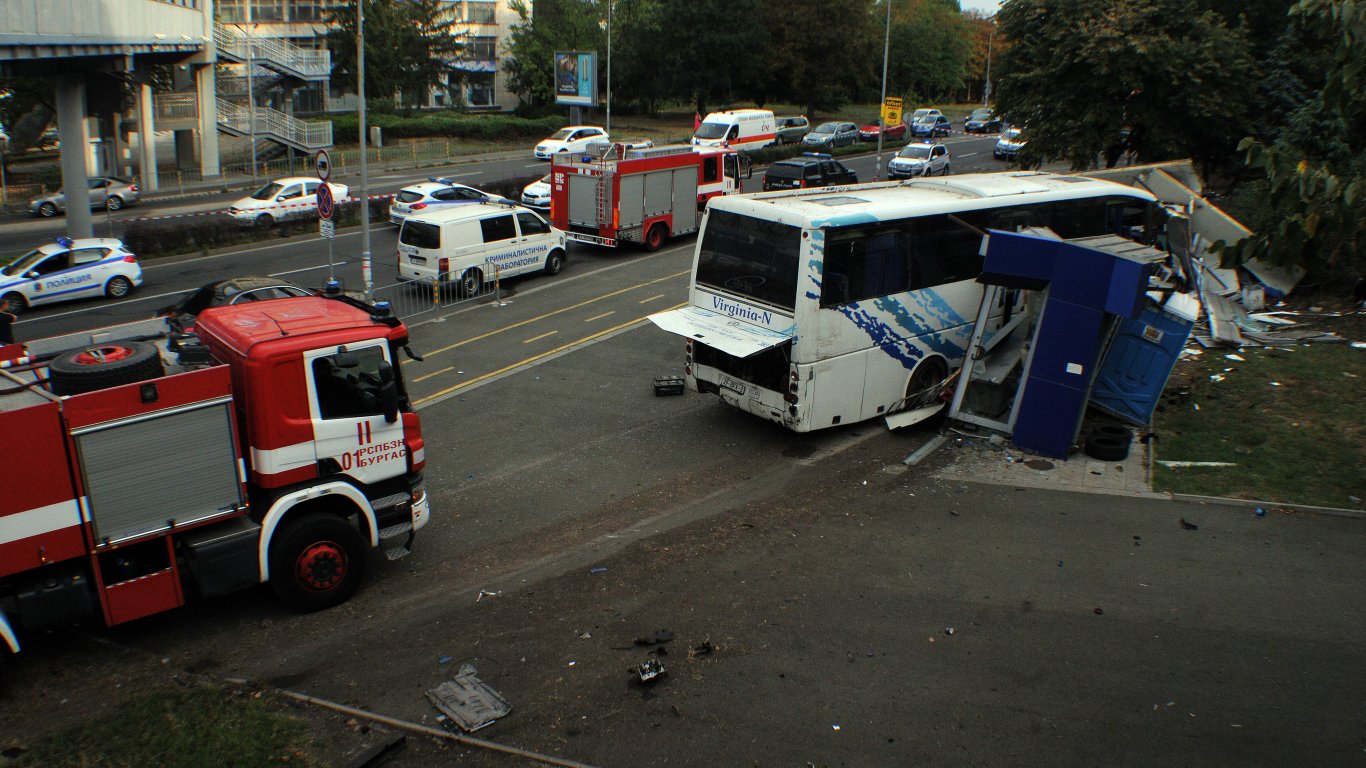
x: 146, y: 467
x: 613, y: 194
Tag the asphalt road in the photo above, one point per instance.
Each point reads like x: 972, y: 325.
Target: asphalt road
x: 823, y: 575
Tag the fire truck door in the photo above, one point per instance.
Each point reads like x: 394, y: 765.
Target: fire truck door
x: 685, y: 201
x: 349, y: 426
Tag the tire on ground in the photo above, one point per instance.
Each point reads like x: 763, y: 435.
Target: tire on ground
x: 104, y: 365
x: 1107, y: 447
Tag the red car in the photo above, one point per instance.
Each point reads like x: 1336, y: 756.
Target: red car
x: 870, y: 131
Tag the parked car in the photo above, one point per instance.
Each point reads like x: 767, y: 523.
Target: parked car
x: 922, y: 158
x: 436, y: 193
x: 574, y: 138
x: 982, y: 120
x: 69, y: 269
x: 895, y: 132
x: 930, y: 126
x: 108, y: 192
x: 791, y: 130
x: 809, y: 169
x: 1008, y: 146
x: 290, y: 197
x: 537, y: 194
x: 236, y: 290
x: 924, y: 112
x: 832, y: 135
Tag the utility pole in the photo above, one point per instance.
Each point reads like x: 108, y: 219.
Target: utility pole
x: 364, y: 170
x: 609, y: 69
x: 986, y: 90
x: 882, y: 123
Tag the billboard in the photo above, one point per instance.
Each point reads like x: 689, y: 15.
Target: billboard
x: 576, y: 82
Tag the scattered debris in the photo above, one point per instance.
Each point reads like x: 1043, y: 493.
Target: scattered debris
x: 1179, y: 464
x: 948, y: 630
x: 1039, y: 464
x: 1100, y: 611
x: 1188, y: 526
x: 598, y: 569
x: 668, y: 385
x: 443, y: 659
x: 701, y: 650
x: 649, y: 670
x: 483, y: 593
x: 468, y: 701
x: 1260, y: 512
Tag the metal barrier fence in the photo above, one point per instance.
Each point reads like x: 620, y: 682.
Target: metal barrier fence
x: 416, y: 298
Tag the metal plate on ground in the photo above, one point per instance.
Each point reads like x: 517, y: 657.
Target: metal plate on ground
x: 470, y: 702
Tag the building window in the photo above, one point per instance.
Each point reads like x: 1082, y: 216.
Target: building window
x: 479, y: 12
x: 479, y: 89
x: 482, y: 49
x: 267, y: 10
x: 307, y: 10
x: 231, y: 11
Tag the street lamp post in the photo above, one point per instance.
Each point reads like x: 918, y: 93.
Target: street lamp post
x: 609, y: 68
x: 882, y: 124
x: 251, y: 99
x: 986, y: 89
x: 364, y: 169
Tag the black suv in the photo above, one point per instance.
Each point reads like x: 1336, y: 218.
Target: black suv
x: 809, y: 169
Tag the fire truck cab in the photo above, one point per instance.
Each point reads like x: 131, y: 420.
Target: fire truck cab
x: 149, y: 466
x: 612, y: 194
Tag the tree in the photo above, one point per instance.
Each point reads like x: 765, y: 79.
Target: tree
x: 1155, y: 78
x: 1314, y: 196
x: 819, y: 51
x: 710, y: 51
x: 557, y: 25
x: 411, y: 47
x: 930, y: 50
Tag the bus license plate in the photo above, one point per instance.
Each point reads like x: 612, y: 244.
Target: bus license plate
x: 738, y: 387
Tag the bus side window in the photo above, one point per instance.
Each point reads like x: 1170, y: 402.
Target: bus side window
x: 945, y: 252
x: 864, y: 263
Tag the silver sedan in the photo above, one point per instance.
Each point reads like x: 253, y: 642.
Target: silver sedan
x: 108, y: 192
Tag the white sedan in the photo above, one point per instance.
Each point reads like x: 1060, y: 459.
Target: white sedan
x: 537, y: 194
x: 69, y: 269
x: 575, y: 138
x: 435, y: 194
x: 290, y: 197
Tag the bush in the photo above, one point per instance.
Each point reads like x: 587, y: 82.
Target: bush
x: 485, y: 127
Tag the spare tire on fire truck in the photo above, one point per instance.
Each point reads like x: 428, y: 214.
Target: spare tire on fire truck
x: 104, y: 365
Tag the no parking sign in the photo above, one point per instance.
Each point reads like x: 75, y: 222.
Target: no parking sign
x: 325, y: 201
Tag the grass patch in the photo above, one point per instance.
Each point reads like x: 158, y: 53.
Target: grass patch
x: 191, y: 727
x: 1290, y: 419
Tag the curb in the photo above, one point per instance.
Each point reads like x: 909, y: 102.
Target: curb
x: 1269, y: 506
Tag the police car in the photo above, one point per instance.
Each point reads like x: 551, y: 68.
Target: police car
x: 537, y: 194
x: 921, y: 158
x: 69, y: 269
x: 432, y: 195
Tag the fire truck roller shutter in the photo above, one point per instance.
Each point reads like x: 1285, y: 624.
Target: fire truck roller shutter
x: 104, y: 365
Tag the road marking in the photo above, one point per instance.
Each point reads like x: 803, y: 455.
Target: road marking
x: 558, y: 311
x: 970, y: 154
x: 537, y: 165
x: 538, y: 338
x: 535, y: 359
x: 424, y: 377
x: 460, y: 175
x: 652, y: 298
x: 599, y: 317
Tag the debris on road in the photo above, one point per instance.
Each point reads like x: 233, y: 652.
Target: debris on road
x: 598, y: 569
x: 659, y: 636
x: 1187, y: 526
x: 468, y: 701
x: 649, y: 670
x: 668, y: 385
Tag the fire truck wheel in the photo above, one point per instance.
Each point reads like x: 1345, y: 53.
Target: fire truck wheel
x: 471, y: 283
x: 554, y: 262
x: 316, y: 561
x: 104, y: 365
x: 655, y: 237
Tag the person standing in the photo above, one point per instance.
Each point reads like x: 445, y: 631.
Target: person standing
x: 696, y: 121
x: 7, y: 321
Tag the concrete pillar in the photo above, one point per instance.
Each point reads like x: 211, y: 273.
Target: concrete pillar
x: 147, y: 148
x: 207, y: 90
x: 75, y: 146
x: 184, y: 149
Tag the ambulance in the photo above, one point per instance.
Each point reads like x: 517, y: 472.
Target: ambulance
x: 738, y: 129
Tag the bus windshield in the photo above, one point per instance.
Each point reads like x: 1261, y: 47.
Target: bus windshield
x: 750, y: 257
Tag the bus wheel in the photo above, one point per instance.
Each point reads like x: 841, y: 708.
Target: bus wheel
x: 654, y: 238
x: 316, y: 561
x: 925, y: 384
x: 471, y: 283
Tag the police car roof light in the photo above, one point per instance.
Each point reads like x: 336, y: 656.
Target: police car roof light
x: 818, y: 155
x: 64, y: 241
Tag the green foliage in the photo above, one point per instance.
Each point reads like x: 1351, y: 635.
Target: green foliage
x: 558, y: 25
x: 702, y: 55
x: 1079, y: 73
x: 189, y: 728
x: 410, y: 47
x: 818, y: 52
x: 931, y: 44
x: 1315, y: 170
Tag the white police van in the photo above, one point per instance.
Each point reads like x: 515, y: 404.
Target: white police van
x: 476, y: 243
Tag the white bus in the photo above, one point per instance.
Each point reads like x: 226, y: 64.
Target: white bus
x: 830, y: 306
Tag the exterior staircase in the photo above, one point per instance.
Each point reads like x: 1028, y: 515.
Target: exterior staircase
x: 287, y: 59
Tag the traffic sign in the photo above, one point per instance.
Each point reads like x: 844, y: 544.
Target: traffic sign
x: 326, y: 228
x: 324, y: 164
x: 325, y: 201
x: 891, y: 110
